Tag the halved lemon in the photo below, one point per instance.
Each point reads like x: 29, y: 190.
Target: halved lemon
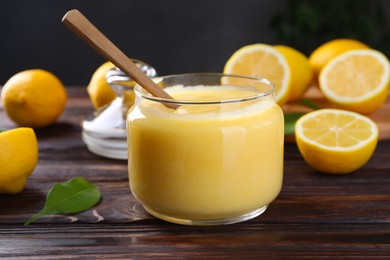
x: 356, y: 80
x: 262, y: 61
x: 331, y: 49
x: 336, y: 141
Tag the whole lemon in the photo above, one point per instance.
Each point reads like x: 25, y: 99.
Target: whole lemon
x: 18, y: 158
x: 329, y: 50
x: 98, y: 89
x: 34, y: 98
x: 301, y: 71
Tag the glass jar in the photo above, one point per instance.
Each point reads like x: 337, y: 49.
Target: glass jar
x: 215, y: 159
x: 104, y: 132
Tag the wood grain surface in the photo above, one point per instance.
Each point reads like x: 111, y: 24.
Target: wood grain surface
x: 315, y: 216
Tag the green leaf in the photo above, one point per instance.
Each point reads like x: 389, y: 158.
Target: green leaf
x: 73, y: 196
x: 289, y: 121
x: 309, y: 103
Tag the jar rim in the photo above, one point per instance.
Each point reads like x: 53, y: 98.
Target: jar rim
x: 257, y: 94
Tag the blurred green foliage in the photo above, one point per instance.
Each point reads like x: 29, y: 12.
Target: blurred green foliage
x: 306, y: 24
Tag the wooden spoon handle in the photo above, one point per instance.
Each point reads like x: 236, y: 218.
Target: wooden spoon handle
x: 82, y: 27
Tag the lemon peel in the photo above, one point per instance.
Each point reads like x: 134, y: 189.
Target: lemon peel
x: 34, y: 98
x: 18, y: 158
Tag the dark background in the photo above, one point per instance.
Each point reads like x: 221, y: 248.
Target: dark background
x: 177, y: 36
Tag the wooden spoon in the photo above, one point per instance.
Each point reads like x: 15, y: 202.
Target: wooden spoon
x: 83, y: 28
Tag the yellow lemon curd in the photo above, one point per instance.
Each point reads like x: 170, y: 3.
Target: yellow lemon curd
x: 206, y: 161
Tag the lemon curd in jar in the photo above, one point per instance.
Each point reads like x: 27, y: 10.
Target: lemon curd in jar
x: 215, y: 159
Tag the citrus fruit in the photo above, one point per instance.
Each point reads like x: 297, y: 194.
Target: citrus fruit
x: 98, y: 89
x: 301, y: 71
x: 34, y: 98
x: 356, y: 80
x: 336, y: 141
x: 18, y: 158
x: 329, y: 50
x: 262, y: 61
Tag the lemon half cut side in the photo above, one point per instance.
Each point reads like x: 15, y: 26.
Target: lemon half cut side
x: 331, y: 49
x: 336, y: 141
x: 357, y: 80
x: 262, y: 61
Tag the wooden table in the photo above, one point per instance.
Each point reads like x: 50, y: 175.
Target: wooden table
x: 315, y: 216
